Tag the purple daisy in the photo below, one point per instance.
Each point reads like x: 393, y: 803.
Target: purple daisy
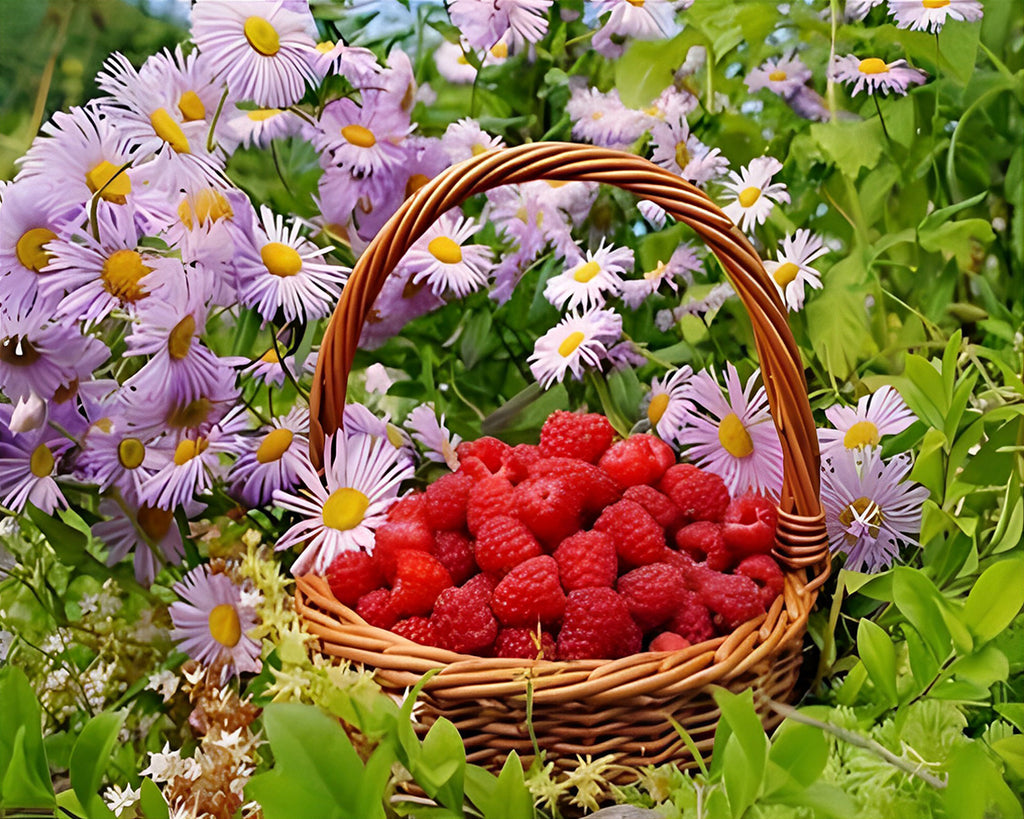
x: 649, y: 20
x: 881, y: 413
x: 273, y: 460
x: 587, y: 282
x: 442, y: 261
x: 676, y: 149
x: 681, y: 266
x: 114, y: 455
x: 438, y: 443
x: 365, y: 139
x: 783, y: 75
x: 667, y: 403
x: 148, y: 532
x: 872, y: 74
x: 484, y: 22
x: 28, y: 465
x: 577, y: 341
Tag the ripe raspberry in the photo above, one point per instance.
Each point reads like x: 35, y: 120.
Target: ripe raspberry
x: 523, y: 644
x: 411, y: 508
x: 652, y: 593
x: 529, y: 594
x: 489, y: 450
x: 693, y: 620
x: 703, y: 540
x: 638, y: 538
x: 587, y: 559
x: 376, y: 609
x: 638, y: 459
x: 474, y: 468
x: 669, y: 641
x: 419, y: 579
x: 733, y: 597
x: 488, y: 498
x: 576, y: 435
x: 480, y: 585
x: 353, y: 574
x: 455, y: 552
x: 551, y: 507
x: 602, y: 489
x: 503, y: 543
x: 660, y: 506
x: 597, y: 626
x: 764, y: 571
x: 699, y: 494
x: 518, y: 461
x: 394, y: 536
x: 419, y: 630
x: 446, y: 500
x: 750, y: 523
x: 464, y: 621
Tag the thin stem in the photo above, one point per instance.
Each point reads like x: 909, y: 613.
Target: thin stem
x: 881, y: 119
x: 277, y: 167
x: 39, y: 108
x: 830, y: 82
x: 210, y: 144
x: 94, y: 202
x: 287, y: 372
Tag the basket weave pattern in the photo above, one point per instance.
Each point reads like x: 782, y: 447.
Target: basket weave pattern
x: 590, y: 706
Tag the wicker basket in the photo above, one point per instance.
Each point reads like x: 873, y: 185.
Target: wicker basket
x: 623, y: 707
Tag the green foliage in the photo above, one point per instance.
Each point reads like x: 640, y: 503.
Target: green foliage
x: 24, y: 774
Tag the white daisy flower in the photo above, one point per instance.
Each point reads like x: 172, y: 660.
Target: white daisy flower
x: 588, y: 282
x: 783, y: 75
x: 453, y: 66
x: 792, y: 272
x: 649, y: 20
x: 666, y: 403
x: 755, y: 194
x: 575, y: 342
x: 859, y: 9
x: 884, y: 412
x: 681, y: 266
x: 653, y: 213
x: 679, y: 151
x: 931, y: 15
x: 441, y: 260
x: 872, y: 74
x: 465, y: 139
x: 261, y: 126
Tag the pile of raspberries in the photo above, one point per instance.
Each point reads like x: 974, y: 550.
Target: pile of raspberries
x: 576, y: 548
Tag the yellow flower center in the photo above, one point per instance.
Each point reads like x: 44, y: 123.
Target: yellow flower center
x: 748, y: 196
x: 734, y: 436
x: 29, y: 248
x: 636, y: 3
x: 659, y: 403
x: 359, y: 136
x: 41, y: 461
x: 415, y: 182
x: 657, y: 273
x: 188, y: 449
x: 863, y: 433
x: 557, y: 183
x: 208, y: 205
x: 934, y: 4
x: 274, y: 445
x: 682, y: 154
x: 18, y: 351
x: 500, y: 50
x: 270, y: 357
x: 785, y: 273
x: 345, y: 509
x: 179, y: 342
x: 597, y: 115
x: 325, y: 47
x: 121, y: 275
x: 154, y: 522
x: 478, y: 148
x: 263, y: 114
x: 445, y: 250
x: 261, y: 36
x: 105, y: 177
x: 225, y: 626
x: 778, y: 75
x: 857, y: 510
x: 191, y: 414
x: 872, y: 65
x: 280, y: 259
x: 191, y: 107
x: 571, y: 342
x: 585, y: 272
x: 169, y: 131
x: 131, y: 452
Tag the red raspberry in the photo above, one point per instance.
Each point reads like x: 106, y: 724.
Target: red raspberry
x: 503, y: 543
x: 419, y: 579
x: 638, y: 459
x: 474, y: 468
x: 529, y: 594
x: 394, y: 536
x: 602, y: 490
x: 576, y: 435
x: 488, y: 498
x: 480, y: 585
x: 446, y: 500
x: 519, y: 460
x: 523, y: 644
x: 693, y: 620
x: 376, y: 609
x: 489, y: 450
x: 660, y: 506
x: 703, y: 540
x: 699, y: 494
x: 638, y: 538
x: 764, y: 571
x: 750, y: 523
x: 669, y: 641
x: 464, y: 621
x: 419, y: 630
x: 733, y: 597
x: 411, y: 508
x: 597, y: 626
x: 551, y: 507
x: 587, y: 559
x: 653, y: 593
x: 353, y: 574
x: 455, y: 552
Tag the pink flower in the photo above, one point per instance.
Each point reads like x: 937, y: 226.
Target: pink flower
x: 873, y: 74
x: 882, y: 413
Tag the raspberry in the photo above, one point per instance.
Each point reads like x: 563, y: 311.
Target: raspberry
x: 455, y: 552
x: 418, y: 629
x: 353, y: 574
x: 474, y: 468
x: 480, y: 585
x: 699, y: 494
x: 488, y: 498
x: 637, y: 536
x: 597, y: 626
x: 704, y: 540
x: 750, y: 523
x: 638, y: 459
x: 523, y: 644
x: 419, y: 579
x: 602, y: 489
x: 446, y: 501
x: 518, y: 461
x: 576, y: 435
x: 489, y: 450
x: 669, y: 641
x: 660, y: 506
x: 733, y: 597
x: 464, y: 621
x: 587, y: 559
x: 529, y: 594
x: 551, y: 507
x: 394, y: 536
x: 693, y: 620
x: 376, y: 609
x: 411, y: 508
x: 652, y: 593
x: 764, y: 571
x: 503, y: 543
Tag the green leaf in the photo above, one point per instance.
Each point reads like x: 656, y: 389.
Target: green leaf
x: 800, y: 750
x: 152, y: 801
x: 850, y: 145
x: 475, y: 337
x: 745, y: 749
x: 927, y: 397
x: 958, y: 239
x: 983, y: 669
x: 508, y: 797
x: 878, y: 654
x: 976, y: 785
x: 929, y: 468
x: 1012, y: 712
x: 647, y: 67
x: 440, y: 766
x: 91, y: 756
x: 995, y: 600
x: 24, y: 772
x: 921, y: 603
x: 837, y: 323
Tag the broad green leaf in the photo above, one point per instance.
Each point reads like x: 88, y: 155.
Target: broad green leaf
x: 929, y: 468
x: 24, y: 772
x: 511, y: 797
x: 152, y: 801
x: 91, y: 756
x: 647, y: 67
x: 923, y: 665
x: 958, y: 239
x: 996, y: 598
x: 837, y: 323
x: 1011, y: 751
x: 850, y: 145
x: 801, y: 750
x: 939, y: 217
x: 440, y: 766
x: 921, y: 603
x: 878, y: 654
x: 984, y: 668
x: 1010, y: 527
x: 745, y: 751
x: 927, y: 399
x: 976, y: 786
x: 1012, y: 712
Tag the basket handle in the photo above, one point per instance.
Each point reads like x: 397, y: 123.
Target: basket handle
x: 802, y: 538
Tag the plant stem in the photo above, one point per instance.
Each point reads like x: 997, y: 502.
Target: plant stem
x: 881, y: 119
x: 210, y: 144
x: 39, y: 108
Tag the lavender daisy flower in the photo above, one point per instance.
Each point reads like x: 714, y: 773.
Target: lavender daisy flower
x: 870, y: 509
x: 399, y: 302
x: 260, y: 126
x: 679, y: 151
x: 362, y: 475
x: 357, y: 65
x: 213, y: 619
x: 671, y: 105
x: 664, y: 320
x: 881, y: 413
x: 576, y: 341
x: 653, y: 213
x: 441, y: 260
x: 754, y: 193
x: 682, y: 264
x: 148, y: 532
x: 588, y: 282
x: 28, y: 465
x: 873, y: 74
x: 859, y: 9
x: 484, y: 22
x: 364, y: 139
x: 783, y: 76
x: 183, y: 82
x: 438, y: 442
x: 601, y: 118
x: 666, y: 403
x: 650, y: 20
x: 465, y: 139
x: 270, y: 368
x: 453, y: 66
x: 272, y: 460
x: 113, y: 455
x: 732, y: 434
x: 932, y: 15
x: 792, y: 272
